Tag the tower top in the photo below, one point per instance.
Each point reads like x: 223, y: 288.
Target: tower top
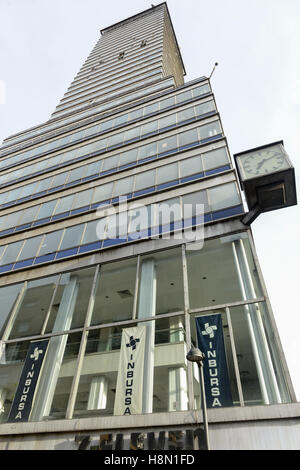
x: 160, y: 6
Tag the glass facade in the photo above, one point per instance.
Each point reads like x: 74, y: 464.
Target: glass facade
x: 83, y: 314
x: 93, y: 264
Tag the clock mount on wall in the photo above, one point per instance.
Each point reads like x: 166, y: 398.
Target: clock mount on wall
x: 267, y: 178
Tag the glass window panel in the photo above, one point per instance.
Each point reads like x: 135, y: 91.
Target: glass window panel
x: 83, y: 198
x: 140, y: 218
x: 115, y: 292
x: 90, y: 234
x: 107, y: 125
x: 144, y: 180
x: 111, y: 162
x: 121, y: 120
x: 167, y: 102
x: 12, y: 220
x: 191, y: 166
x: 98, y: 145
x: 44, y: 184
x: 103, y: 347
x: 138, y: 113
x: 83, y: 280
x: 123, y: 186
x: 29, y: 189
x: 8, y: 297
x: 168, y: 211
x: 71, y: 237
x: 169, y: 280
x: 51, y: 162
x: 216, y: 158
x: 167, y: 144
x: 132, y: 133
x: 93, y: 168
x: 149, y: 127
x: 205, y: 108
x: 59, y: 180
x: 151, y: 108
x: 10, y: 371
x: 115, y: 139
x: 103, y: 192
x: 209, y: 130
x: 28, y: 215
x: 199, y: 197
x: 185, y: 114
x: 63, y: 351
x: 167, y: 173
x: 46, y: 209
x: 187, y: 95
x: 30, y: 248
x: 170, y: 384
x: 11, y: 253
x: 200, y: 90
x: 14, y: 194
x: 64, y: 204
x: 129, y: 156
x: 147, y: 150
x: 187, y: 137
x: 76, y: 174
x: 50, y: 243
x: 223, y: 196
x: 167, y: 121
x: 3, y: 197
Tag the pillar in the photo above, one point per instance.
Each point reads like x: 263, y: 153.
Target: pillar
x: 146, y: 308
x: 55, y: 352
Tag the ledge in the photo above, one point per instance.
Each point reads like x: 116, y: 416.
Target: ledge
x: 153, y: 420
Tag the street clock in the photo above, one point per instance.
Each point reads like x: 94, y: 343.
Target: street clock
x: 267, y: 178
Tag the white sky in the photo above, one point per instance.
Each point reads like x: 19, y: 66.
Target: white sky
x: 43, y: 43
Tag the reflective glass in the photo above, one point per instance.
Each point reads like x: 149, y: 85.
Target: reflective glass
x: 223, y: 196
x: 50, y: 243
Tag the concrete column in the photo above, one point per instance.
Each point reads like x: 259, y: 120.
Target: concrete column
x: 55, y: 352
x: 98, y: 393
x: 146, y: 308
x: 178, y: 389
x: 178, y: 396
x: 3, y: 395
x: 266, y: 375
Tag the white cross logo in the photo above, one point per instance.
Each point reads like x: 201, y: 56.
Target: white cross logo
x: 36, y: 354
x: 209, y: 330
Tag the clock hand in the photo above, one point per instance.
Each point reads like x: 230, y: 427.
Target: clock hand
x: 261, y: 163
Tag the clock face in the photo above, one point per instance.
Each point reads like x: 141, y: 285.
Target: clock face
x: 263, y: 162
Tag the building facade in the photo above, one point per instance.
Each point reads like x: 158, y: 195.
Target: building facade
x: 120, y: 232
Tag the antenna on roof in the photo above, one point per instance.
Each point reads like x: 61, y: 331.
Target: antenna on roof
x: 216, y: 64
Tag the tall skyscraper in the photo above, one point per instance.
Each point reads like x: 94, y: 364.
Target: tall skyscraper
x: 122, y: 246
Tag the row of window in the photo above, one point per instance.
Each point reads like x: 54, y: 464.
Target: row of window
x: 117, y: 162
x: 110, y: 125
x: 105, y: 64
x: 141, y: 56
x: 169, y: 175
x: 46, y: 128
x: 111, y: 71
x: 109, y: 96
x: 141, y: 222
x: 137, y: 79
x: 111, y: 81
x: 121, y: 72
x: 109, y: 52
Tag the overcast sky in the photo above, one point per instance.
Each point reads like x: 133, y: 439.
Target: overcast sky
x: 43, y: 43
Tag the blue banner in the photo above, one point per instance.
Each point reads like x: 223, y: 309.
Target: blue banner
x: 21, y: 406
x: 211, y: 343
